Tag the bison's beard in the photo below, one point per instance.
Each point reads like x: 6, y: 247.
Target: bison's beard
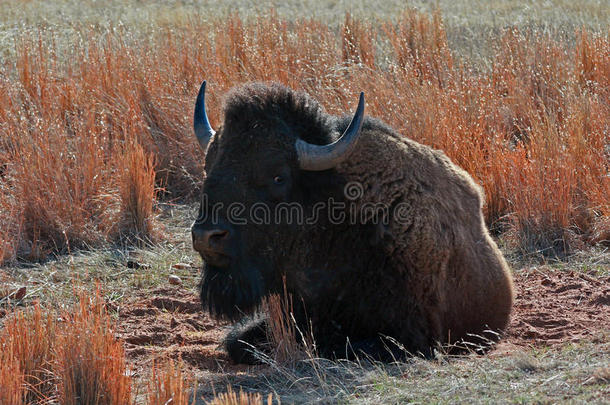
x: 231, y: 294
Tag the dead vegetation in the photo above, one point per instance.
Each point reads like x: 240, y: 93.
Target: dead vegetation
x: 73, y: 357
x: 231, y: 397
x: 86, y: 145
x: 169, y: 385
x: 66, y: 358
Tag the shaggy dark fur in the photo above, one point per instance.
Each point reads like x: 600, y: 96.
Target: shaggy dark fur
x: 426, y: 275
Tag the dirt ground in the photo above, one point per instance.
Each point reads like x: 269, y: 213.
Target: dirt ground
x: 555, y: 307
x: 169, y: 322
x: 552, y: 307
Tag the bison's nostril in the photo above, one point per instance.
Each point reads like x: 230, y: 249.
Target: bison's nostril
x: 213, y: 245
x: 215, y: 237
x: 210, y: 239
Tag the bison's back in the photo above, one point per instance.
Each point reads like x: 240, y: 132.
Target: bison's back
x: 437, y: 239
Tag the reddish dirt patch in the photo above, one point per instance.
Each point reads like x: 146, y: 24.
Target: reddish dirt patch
x: 169, y: 322
x: 553, y: 307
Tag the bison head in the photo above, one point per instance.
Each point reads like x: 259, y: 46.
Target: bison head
x: 276, y: 149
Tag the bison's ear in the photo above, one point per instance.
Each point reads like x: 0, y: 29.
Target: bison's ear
x: 323, y: 157
x: 203, y: 129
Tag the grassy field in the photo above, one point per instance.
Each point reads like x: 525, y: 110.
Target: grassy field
x: 99, y: 167
x: 538, y: 372
x: 532, y: 127
x: 472, y: 25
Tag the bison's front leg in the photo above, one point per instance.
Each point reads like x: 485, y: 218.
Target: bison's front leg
x: 246, y: 338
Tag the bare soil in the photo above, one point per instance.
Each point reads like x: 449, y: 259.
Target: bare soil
x: 552, y: 307
x: 169, y: 322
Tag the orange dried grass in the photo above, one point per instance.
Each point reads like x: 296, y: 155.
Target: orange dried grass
x: 137, y: 190
x: 243, y: 398
x: 26, y: 341
x: 282, y: 333
x: 72, y: 359
x: 27, y: 357
x: 12, y: 379
x: 420, y: 47
x: 90, y: 362
x: 288, y: 344
x: 533, y: 130
x: 358, y: 42
x: 167, y: 385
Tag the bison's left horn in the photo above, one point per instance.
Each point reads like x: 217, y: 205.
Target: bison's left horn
x: 203, y: 129
x: 323, y: 157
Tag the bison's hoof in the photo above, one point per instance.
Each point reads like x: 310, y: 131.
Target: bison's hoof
x: 247, y: 342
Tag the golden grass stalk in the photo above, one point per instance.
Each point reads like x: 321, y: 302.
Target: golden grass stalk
x: 27, y: 340
x: 532, y: 129
x: 137, y: 189
x: 282, y: 331
x: 12, y: 379
x: 90, y: 363
x: 288, y: 343
x: 168, y: 385
x: 242, y: 398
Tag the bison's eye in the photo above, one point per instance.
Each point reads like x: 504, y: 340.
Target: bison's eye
x: 278, y: 180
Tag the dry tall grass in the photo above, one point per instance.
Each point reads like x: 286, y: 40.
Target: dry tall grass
x: 137, y: 191
x: 72, y: 358
x: 27, y: 358
x: 282, y: 331
x: 167, y: 385
x: 533, y: 130
x: 89, y: 362
x: 12, y: 380
x: 288, y: 344
x: 243, y: 398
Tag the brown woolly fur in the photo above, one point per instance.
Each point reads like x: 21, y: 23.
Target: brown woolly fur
x: 455, y: 281
x: 421, y: 271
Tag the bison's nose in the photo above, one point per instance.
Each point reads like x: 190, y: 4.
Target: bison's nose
x: 214, y: 238
x: 212, y: 244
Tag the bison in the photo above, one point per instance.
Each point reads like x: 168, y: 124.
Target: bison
x: 390, y: 249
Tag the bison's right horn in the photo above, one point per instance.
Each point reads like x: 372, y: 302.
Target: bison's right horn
x: 203, y: 129
x: 323, y: 157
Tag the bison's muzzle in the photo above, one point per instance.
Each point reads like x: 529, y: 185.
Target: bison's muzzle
x: 214, y: 242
